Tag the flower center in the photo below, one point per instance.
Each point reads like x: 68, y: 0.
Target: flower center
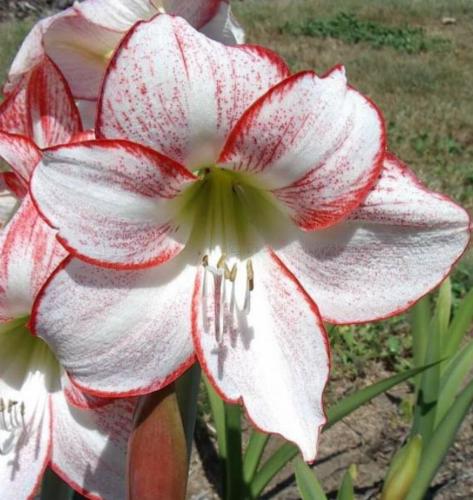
x: 227, y: 211
x: 27, y: 365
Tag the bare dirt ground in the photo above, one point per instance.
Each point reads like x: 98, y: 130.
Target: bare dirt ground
x: 368, y: 438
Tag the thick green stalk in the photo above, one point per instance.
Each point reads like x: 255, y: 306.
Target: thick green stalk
x: 187, y: 391
x: 234, y: 467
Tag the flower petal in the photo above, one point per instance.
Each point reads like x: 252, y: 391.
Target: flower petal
x: 21, y: 154
x: 398, y: 245
x: 81, y: 50
x: 29, y: 252
x: 197, y: 13
x: 89, y: 446
x: 175, y: 90
x: 78, y: 398
x: 8, y: 202
x: 26, y: 452
x: 118, y: 333
x: 317, y: 143
x: 111, y: 201
x: 274, y: 358
x: 30, y: 53
x: 13, y: 111
x: 118, y: 15
x: 223, y: 27
x: 52, y: 113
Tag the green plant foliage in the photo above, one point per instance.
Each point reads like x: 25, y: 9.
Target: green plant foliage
x: 347, y: 27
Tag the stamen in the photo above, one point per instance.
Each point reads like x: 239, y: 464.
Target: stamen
x: 12, y: 419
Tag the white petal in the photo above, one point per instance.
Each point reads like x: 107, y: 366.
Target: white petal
x: 119, y: 332
x: 175, y: 90
x: 89, y: 446
x: 273, y: 356
x: 394, y: 249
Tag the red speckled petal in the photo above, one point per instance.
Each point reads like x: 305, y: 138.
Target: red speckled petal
x: 177, y: 91
x: 77, y: 397
x: 118, y: 332
x: 20, y: 153
x: 29, y: 252
x: 89, y: 446
x: 315, y: 142
x: 52, y: 114
x: 273, y: 358
x: 398, y: 245
x: 111, y: 201
x: 13, y: 113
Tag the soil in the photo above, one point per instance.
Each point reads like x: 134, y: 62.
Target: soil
x: 368, y: 438
x: 21, y: 9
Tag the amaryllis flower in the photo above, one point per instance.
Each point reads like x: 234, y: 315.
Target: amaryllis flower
x: 44, y: 420
x: 40, y: 113
x: 228, y: 209
x: 82, y: 39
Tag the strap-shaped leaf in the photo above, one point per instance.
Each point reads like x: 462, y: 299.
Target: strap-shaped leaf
x: 440, y: 442
x: 307, y: 482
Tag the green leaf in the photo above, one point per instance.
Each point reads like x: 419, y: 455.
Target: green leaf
x: 420, y: 323
x: 54, y: 487
x: 307, y: 482
x: 443, y: 310
x: 254, y: 452
x: 457, y: 369
x: 340, y: 410
x: 346, y: 491
x: 217, y: 407
x: 443, y: 437
x: 233, y: 467
x: 427, y: 395
x: 460, y: 324
x: 402, y: 470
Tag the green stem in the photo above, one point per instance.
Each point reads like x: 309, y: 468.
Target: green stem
x: 187, y: 392
x: 234, y: 466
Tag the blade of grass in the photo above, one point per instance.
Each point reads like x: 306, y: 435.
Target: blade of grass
x: 440, y: 442
x: 340, y: 410
x: 254, y: 452
x: 460, y: 324
x: 307, y: 482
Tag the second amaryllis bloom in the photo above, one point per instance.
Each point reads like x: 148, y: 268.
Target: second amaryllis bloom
x: 226, y: 211
x: 44, y: 420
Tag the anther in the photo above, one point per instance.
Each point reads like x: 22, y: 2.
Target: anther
x: 221, y: 261
x: 233, y: 273
x: 250, y: 275
x: 205, y: 260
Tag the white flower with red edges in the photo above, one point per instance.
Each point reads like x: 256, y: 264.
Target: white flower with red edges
x: 227, y: 210
x: 44, y: 419
x: 82, y: 39
x: 40, y: 113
